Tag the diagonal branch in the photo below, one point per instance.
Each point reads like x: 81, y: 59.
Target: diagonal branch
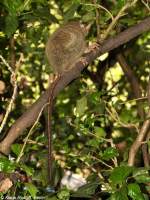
x: 28, y: 118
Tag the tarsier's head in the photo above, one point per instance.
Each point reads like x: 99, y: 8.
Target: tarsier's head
x: 65, y: 46
x: 79, y: 26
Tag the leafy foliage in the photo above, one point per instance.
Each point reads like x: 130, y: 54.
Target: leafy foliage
x: 95, y: 118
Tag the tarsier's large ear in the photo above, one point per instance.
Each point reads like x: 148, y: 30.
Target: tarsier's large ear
x: 85, y: 28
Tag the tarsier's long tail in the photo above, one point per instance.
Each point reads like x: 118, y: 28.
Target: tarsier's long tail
x: 49, y: 128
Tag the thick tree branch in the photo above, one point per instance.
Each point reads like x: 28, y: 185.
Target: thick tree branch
x: 28, y: 118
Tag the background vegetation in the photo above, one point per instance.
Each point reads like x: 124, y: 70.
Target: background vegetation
x: 96, y: 118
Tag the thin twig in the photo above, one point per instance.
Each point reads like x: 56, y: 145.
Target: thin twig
x: 97, y: 20
x: 34, y: 142
x: 148, y: 91
x: 9, y: 108
x: 29, y: 134
x: 114, y: 115
x: 99, y: 6
x: 114, y: 21
x: 13, y: 71
x: 15, y: 87
x: 146, y: 4
x: 98, y: 173
x: 132, y: 100
x: 6, y: 64
x: 101, y: 161
x: 114, y: 159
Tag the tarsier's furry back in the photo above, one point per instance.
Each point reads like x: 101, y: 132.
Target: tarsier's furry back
x: 65, y: 46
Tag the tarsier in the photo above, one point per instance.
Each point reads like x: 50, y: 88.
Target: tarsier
x: 63, y: 49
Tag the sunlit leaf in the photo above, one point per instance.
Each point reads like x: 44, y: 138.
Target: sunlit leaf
x: 141, y: 175
x: 6, y: 165
x: 16, y: 148
x: 71, y: 11
x: 93, y: 142
x: 99, y: 131
x: 119, y: 174
x: 13, y: 6
x: 120, y: 195
x: 29, y: 170
x: 88, y: 17
x: 32, y: 189
x: 64, y: 194
x: 81, y: 106
x: 109, y: 153
x: 134, y: 192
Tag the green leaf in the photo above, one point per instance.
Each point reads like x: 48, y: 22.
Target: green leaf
x: 141, y: 176
x: 27, y: 169
x: 134, y: 192
x: 16, y: 148
x: 95, y: 97
x: 32, y: 189
x: 81, y: 106
x: 147, y: 187
x: 121, y: 3
x: 6, y: 165
x: 99, y: 131
x: 11, y: 24
x: 93, y: 143
x: 86, y: 190
x: 126, y: 116
x: 43, y: 13
x: 119, y: 174
x: 110, y: 153
x: 13, y: 6
x: 88, y: 17
x: 64, y: 194
x: 120, y: 195
x: 51, y: 198
x: 71, y: 11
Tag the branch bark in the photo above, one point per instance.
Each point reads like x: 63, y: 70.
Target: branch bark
x: 28, y: 118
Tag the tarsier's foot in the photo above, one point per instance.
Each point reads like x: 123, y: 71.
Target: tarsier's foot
x: 93, y: 47
x: 84, y: 61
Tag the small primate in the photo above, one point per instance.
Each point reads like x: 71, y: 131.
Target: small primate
x: 63, y: 49
x: 65, y: 46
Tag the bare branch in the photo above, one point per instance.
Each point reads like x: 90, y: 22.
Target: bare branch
x: 114, y: 21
